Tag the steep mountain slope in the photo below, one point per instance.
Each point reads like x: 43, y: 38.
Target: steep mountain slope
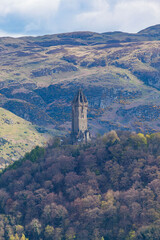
x: 119, y: 73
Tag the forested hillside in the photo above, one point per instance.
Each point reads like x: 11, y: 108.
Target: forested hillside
x: 108, y: 189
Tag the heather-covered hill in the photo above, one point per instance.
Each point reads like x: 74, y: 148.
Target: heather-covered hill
x: 119, y: 73
x: 107, y: 190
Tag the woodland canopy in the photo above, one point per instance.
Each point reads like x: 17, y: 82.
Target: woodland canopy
x: 106, y: 190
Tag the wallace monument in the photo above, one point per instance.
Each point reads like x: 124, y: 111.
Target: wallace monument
x: 80, y: 131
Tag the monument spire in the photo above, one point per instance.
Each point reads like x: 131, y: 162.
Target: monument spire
x: 79, y: 118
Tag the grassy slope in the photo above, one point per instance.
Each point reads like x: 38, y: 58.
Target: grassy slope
x: 17, y: 136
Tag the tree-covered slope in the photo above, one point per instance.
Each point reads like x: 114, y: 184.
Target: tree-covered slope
x: 108, y: 189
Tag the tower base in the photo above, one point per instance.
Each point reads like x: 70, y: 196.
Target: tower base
x: 81, y: 137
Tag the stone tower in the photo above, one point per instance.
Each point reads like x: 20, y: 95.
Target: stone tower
x: 80, y: 131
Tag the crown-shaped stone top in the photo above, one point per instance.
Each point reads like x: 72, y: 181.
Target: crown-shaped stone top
x: 80, y: 98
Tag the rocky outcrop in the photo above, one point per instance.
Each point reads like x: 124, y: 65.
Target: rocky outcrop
x: 142, y: 112
x: 100, y: 62
x: 49, y: 71
x: 28, y: 112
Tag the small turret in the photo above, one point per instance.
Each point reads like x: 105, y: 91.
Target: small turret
x: 79, y: 118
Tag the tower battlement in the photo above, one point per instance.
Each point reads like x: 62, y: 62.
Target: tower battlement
x: 79, y: 118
